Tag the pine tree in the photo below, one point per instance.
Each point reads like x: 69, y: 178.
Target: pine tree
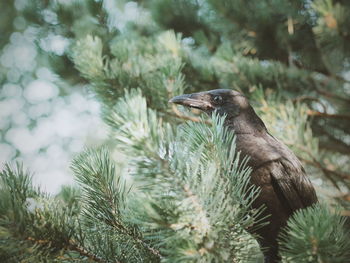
x: 168, y: 186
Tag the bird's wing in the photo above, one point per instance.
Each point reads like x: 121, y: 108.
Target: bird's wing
x: 291, y: 184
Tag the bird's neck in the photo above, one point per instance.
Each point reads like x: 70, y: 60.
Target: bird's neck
x: 247, y: 122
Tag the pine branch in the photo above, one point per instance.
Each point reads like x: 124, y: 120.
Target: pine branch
x: 105, y: 195
x: 310, y: 98
x: 159, y: 166
x: 327, y: 171
x: 327, y: 115
x: 190, y: 194
x: 74, y: 247
x: 325, y: 241
x: 32, y: 219
x: 319, y: 165
x: 327, y: 93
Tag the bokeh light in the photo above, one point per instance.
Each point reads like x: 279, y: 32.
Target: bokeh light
x: 44, y: 120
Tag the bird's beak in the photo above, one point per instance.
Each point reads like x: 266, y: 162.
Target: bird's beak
x: 195, y: 100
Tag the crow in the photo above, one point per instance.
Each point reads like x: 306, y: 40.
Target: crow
x: 284, y: 186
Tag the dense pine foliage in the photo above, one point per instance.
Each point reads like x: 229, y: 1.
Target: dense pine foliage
x: 167, y: 186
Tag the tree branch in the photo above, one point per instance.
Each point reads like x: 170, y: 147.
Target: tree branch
x: 329, y: 94
x: 332, y: 143
x: 85, y: 253
x: 73, y: 247
x: 327, y: 172
x: 327, y: 115
x: 310, y: 98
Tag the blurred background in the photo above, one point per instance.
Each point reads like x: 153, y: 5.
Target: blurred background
x: 291, y: 58
x: 46, y: 112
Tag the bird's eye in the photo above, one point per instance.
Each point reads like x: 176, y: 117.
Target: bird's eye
x: 217, y: 99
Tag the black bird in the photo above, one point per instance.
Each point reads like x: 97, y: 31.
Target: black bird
x: 284, y: 185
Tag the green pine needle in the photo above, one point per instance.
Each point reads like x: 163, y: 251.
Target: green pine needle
x: 315, y: 234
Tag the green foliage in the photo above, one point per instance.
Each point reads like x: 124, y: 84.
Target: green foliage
x: 182, y: 15
x: 315, y: 234
x: 184, y: 187
x: 332, y: 33
x: 90, y: 61
x: 105, y: 222
x: 100, y: 186
x: 137, y: 129
x: 70, y: 195
x: 104, y: 211
x: 190, y: 196
x: 235, y: 70
x: 33, y: 227
x: 151, y: 64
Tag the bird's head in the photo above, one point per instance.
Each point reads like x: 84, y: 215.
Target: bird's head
x: 240, y: 116
x: 224, y: 101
